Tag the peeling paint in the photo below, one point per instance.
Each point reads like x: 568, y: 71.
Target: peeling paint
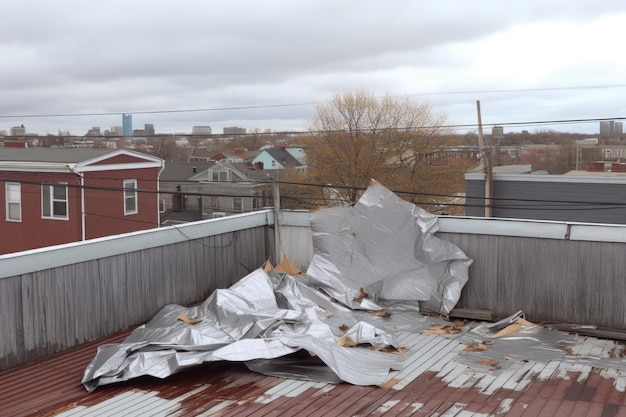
x: 386, y: 406
x: 505, y: 406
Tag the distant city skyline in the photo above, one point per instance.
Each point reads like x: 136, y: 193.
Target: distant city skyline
x: 590, y: 126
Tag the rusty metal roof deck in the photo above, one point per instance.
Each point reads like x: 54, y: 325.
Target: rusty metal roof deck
x: 433, y: 382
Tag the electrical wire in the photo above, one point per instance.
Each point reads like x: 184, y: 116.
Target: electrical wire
x: 312, y: 102
x: 465, y: 126
x: 557, y: 204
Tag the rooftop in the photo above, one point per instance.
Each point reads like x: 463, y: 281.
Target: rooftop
x: 433, y: 382
x: 444, y: 367
x: 50, y: 154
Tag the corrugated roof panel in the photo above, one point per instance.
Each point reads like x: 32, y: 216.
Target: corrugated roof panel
x: 431, y: 382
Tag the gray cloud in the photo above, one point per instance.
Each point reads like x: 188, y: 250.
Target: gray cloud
x: 71, y: 56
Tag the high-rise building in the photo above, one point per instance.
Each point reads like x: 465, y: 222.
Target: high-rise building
x: 117, y: 131
x: 201, y: 130
x: 619, y: 128
x: 148, y: 129
x: 604, y: 129
x: 610, y: 129
x: 127, y: 125
x: 234, y: 130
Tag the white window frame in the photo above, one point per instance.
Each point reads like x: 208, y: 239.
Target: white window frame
x: 130, y: 194
x: 220, y: 175
x: 54, y: 201
x: 13, y: 194
x: 240, y: 208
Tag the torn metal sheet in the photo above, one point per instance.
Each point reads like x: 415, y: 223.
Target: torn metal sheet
x: 499, y: 346
x: 373, y: 263
x: 249, y: 322
x: 385, y: 248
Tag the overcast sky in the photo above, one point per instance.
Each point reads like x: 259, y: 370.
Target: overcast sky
x: 526, y: 61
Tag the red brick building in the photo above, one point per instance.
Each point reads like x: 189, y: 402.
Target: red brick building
x: 55, y: 196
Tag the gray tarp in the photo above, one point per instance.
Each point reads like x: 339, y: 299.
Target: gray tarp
x: 379, y: 255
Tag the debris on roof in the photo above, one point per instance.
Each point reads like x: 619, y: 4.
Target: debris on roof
x: 385, y: 247
x: 373, y: 264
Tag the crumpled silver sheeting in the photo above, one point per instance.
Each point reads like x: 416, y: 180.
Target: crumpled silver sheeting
x: 263, y: 324
x: 536, y: 344
x: 385, y: 247
x: 271, y: 315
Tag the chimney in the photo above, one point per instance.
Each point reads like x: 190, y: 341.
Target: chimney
x: 194, y: 169
x: 258, y: 165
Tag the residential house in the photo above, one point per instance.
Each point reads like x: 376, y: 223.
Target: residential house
x: 237, y: 155
x: 277, y: 158
x: 297, y: 153
x: 201, y: 155
x: 55, y: 196
x: 191, y: 192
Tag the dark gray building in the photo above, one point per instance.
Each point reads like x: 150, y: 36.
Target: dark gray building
x: 234, y: 130
x: 590, y: 197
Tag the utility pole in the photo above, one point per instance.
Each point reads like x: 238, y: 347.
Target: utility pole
x: 487, y: 164
x: 276, y: 194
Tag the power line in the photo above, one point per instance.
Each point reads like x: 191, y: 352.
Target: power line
x: 565, y: 203
x: 521, y: 90
x: 117, y: 113
x: 527, y: 123
x: 309, y: 103
x: 496, y: 202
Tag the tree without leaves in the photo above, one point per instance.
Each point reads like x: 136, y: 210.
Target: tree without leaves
x: 357, y: 137
x: 168, y: 150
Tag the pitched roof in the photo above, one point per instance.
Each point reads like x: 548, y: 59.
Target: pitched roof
x: 182, y: 171
x: 252, y: 173
x: 50, y: 154
x: 283, y: 157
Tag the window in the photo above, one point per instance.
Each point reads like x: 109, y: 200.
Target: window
x: 237, y: 204
x: 54, y: 201
x: 13, y: 193
x: 130, y: 197
x: 220, y: 175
